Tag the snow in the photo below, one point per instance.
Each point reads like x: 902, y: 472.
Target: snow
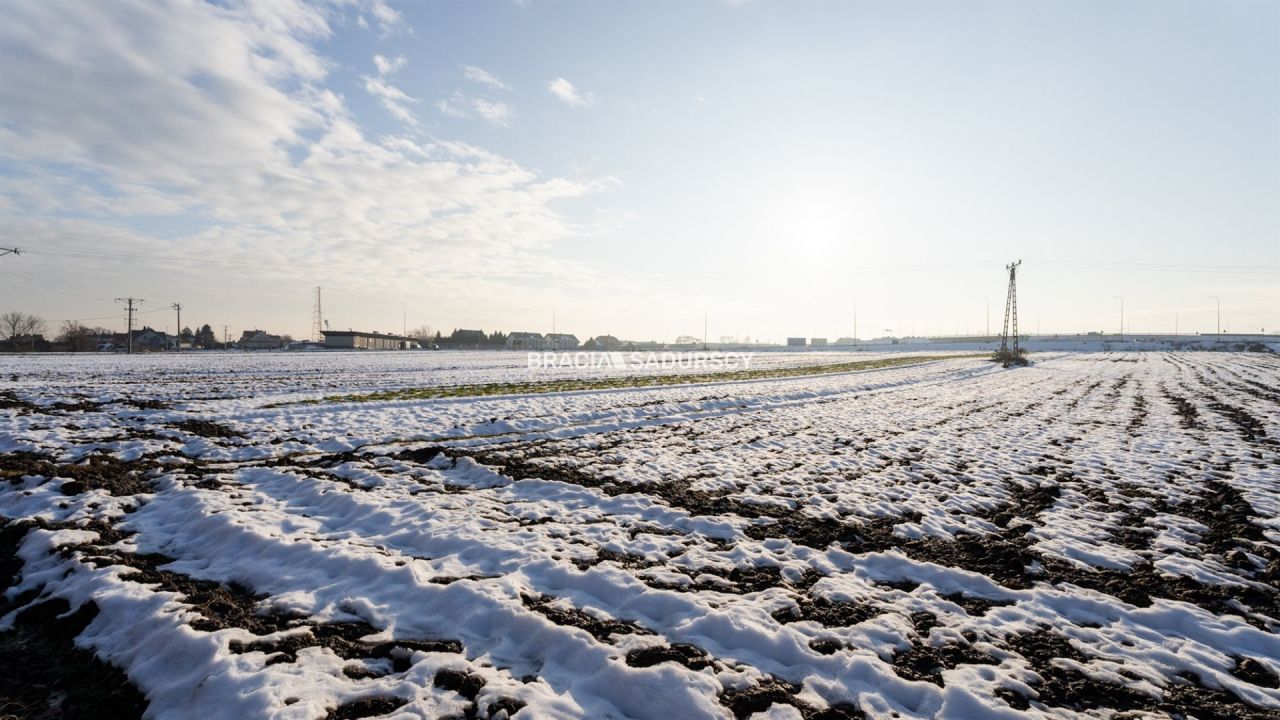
x: 604, y: 503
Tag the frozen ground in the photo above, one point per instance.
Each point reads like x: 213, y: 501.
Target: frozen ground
x: 1093, y: 536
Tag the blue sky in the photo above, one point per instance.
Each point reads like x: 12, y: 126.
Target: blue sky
x: 636, y: 165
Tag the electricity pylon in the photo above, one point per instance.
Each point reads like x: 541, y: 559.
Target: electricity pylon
x: 1011, y: 355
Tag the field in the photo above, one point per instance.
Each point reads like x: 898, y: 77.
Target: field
x: 333, y: 535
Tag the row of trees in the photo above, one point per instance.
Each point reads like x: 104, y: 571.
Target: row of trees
x: 24, y: 331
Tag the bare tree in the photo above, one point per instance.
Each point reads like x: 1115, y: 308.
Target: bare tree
x: 19, y: 325
x: 76, y: 337
x: 422, y: 332
x: 11, y: 323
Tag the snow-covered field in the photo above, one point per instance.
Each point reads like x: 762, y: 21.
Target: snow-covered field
x: 1097, y: 535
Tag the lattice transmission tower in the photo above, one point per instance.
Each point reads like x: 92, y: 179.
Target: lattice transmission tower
x: 317, y: 320
x: 1011, y: 355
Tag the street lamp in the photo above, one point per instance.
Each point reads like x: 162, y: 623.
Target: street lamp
x: 1215, y: 297
x: 1121, y: 299
x: 988, y: 326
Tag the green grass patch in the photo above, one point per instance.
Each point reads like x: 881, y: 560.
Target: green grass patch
x: 612, y: 383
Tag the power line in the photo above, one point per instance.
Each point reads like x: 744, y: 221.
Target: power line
x: 1057, y: 263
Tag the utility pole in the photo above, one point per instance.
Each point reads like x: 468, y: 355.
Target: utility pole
x: 704, y: 331
x: 226, y: 338
x: 987, y: 333
x: 178, y: 307
x: 855, y: 323
x: 10, y: 251
x: 1219, y: 333
x: 130, y: 305
x: 1121, y: 299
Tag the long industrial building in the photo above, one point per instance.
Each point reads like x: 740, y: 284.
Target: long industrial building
x: 356, y: 340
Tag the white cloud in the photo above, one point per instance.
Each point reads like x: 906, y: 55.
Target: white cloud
x: 453, y: 107
x: 221, y: 116
x: 388, y: 66
x: 497, y: 113
x: 388, y: 18
x: 569, y: 94
x: 482, y: 76
x: 392, y: 98
x: 463, y: 106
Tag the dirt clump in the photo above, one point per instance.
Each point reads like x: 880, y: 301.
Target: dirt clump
x: 366, y: 707
x: 691, y: 656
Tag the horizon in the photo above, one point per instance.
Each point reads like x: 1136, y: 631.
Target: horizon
x: 640, y: 170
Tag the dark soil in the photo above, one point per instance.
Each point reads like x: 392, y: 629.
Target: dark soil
x: 926, y: 662
x: 96, y: 472
x: 44, y: 676
x: 973, y: 605
x: 1250, y: 427
x: 344, y: 639
x: 465, y: 684
x: 205, y: 429
x: 1185, y: 410
x: 1066, y: 688
x: 219, y: 606
x: 366, y: 707
x: 601, y: 630
x: 1255, y: 673
x: 690, y: 656
x: 759, y: 698
x: 827, y: 613
x: 469, y: 687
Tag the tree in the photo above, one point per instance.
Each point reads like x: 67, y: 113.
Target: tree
x: 76, y: 337
x: 422, y: 332
x: 187, y: 336
x: 205, y: 337
x: 19, y: 325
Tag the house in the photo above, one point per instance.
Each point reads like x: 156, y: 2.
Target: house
x: 472, y: 339
x: 602, y: 343
x: 795, y: 342
x: 817, y: 342
x: 259, y: 340
x: 356, y: 340
x: 561, y: 341
x: 149, y: 340
x: 527, y: 341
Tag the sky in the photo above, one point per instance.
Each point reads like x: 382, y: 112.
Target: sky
x: 643, y: 169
